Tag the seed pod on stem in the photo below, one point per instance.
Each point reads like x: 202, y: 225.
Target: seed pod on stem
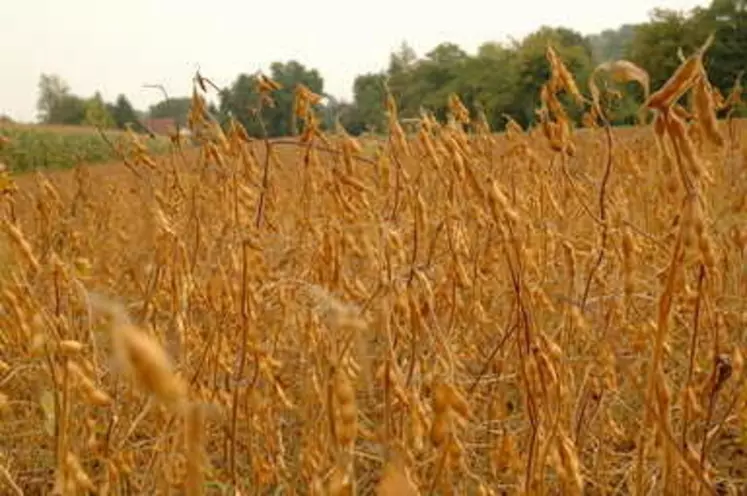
x: 705, y: 109
x: 681, y: 81
x: 142, y: 357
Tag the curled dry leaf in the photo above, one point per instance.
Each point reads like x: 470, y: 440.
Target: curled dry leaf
x: 621, y: 71
x: 681, y: 81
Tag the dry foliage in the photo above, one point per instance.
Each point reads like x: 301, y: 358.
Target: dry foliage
x: 463, y: 313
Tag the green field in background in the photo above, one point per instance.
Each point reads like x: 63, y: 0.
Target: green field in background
x: 60, y: 147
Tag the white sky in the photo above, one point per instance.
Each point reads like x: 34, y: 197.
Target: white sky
x: 117, y: 46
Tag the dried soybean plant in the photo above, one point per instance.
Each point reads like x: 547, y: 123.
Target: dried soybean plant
x: 451, y: 314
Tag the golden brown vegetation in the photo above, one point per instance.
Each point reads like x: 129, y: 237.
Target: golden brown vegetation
x: 543, y: 312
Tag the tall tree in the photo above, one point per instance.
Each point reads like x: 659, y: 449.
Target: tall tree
x: 427, y: 82
x: 611, y: 44
x: 280, y: 118
x: 241, y: 99
x: 56, y: 105
x: 533, y: 69
x: 96, y: 113
x: 52, y: 89
x: 727, y: 20
x: 403, y: 59
x: 369, y: 101
x: 656, y: 43
x: 123, y: 112
x: 173, y: 108
x: 491, y: 79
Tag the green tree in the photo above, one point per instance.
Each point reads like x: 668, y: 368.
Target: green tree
x: 533, y: 69
x: 656, y: 43
x: 611, y: 44
x: 123, y: 112
x: 427, y: 83
x: 241, y: 99
x: 333, y: 110
x: 280, y: 118
x: 52, y: 89
x: 491, y: 79
x: 347, y: 114
x: 56, y: 105
x: 369, y: 104
x: 499, y: 79
x: 172, y: 108
x: 402, y: 60
x: 727, y: 20
x: 69, y: 110
x: 96, y: 113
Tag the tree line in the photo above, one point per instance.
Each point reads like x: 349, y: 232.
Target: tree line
x: 499, y: 80
x: 57, y: 104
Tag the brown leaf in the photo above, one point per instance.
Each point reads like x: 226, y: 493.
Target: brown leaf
x: 705, y: 109
x: 681, y: 81
x: 621, y: 71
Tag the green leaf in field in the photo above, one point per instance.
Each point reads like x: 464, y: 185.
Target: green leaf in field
x: 28, y: 148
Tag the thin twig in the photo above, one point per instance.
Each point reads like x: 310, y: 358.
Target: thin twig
x: 507, y: 333
x: 266, y: 169
x: 693, y: 348
x: 602, y: 215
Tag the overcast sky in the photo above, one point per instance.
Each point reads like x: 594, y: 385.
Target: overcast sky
x: 115, y: 46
